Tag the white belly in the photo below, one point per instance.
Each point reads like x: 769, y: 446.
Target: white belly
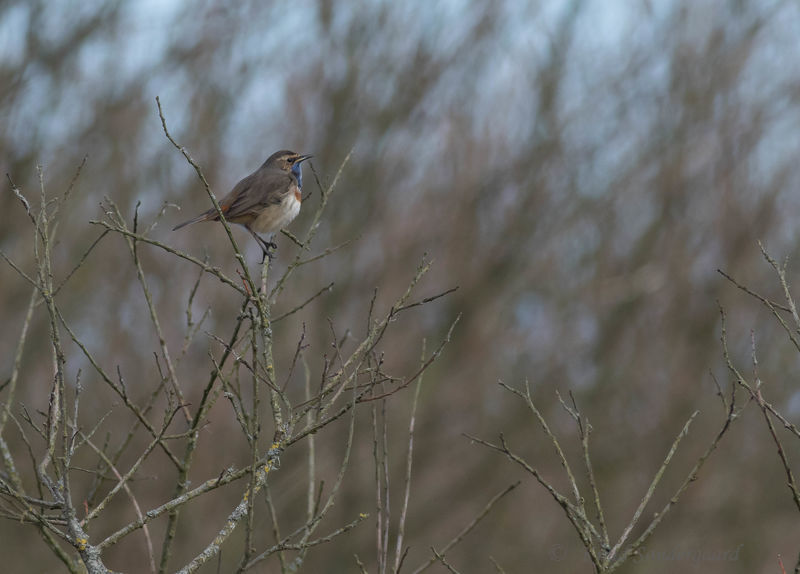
x: 278, y: 216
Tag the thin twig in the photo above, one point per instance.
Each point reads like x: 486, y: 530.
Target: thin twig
x: 469, y: 527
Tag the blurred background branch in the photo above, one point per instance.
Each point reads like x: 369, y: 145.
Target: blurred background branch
x: 578, y: 169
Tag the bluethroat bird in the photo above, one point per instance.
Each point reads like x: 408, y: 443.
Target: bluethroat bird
x: 265, y: 201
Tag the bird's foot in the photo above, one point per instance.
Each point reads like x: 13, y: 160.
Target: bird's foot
x: 267, y: 248
x: 267, y: 253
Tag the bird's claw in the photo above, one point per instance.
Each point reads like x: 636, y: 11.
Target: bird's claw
x: 266, y: 253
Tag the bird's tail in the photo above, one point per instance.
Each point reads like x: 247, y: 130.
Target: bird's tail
x: 201, y: 217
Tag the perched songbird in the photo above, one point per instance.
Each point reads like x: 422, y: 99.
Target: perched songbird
x: 265, y: 201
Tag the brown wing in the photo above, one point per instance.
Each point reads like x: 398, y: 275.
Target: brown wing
x: 262, y: 188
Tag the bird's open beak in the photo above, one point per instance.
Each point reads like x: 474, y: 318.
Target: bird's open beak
x: 303, y: 158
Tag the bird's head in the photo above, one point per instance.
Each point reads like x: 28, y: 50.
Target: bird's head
x: 287, y: 161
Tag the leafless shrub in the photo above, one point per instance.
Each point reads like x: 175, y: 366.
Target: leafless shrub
x: 273, y: 420
x: 606, y: 553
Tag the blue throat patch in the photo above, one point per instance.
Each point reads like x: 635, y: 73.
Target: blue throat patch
x: 298, y: 173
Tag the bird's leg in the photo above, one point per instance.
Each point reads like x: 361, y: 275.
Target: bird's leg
x: 264, y: 245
